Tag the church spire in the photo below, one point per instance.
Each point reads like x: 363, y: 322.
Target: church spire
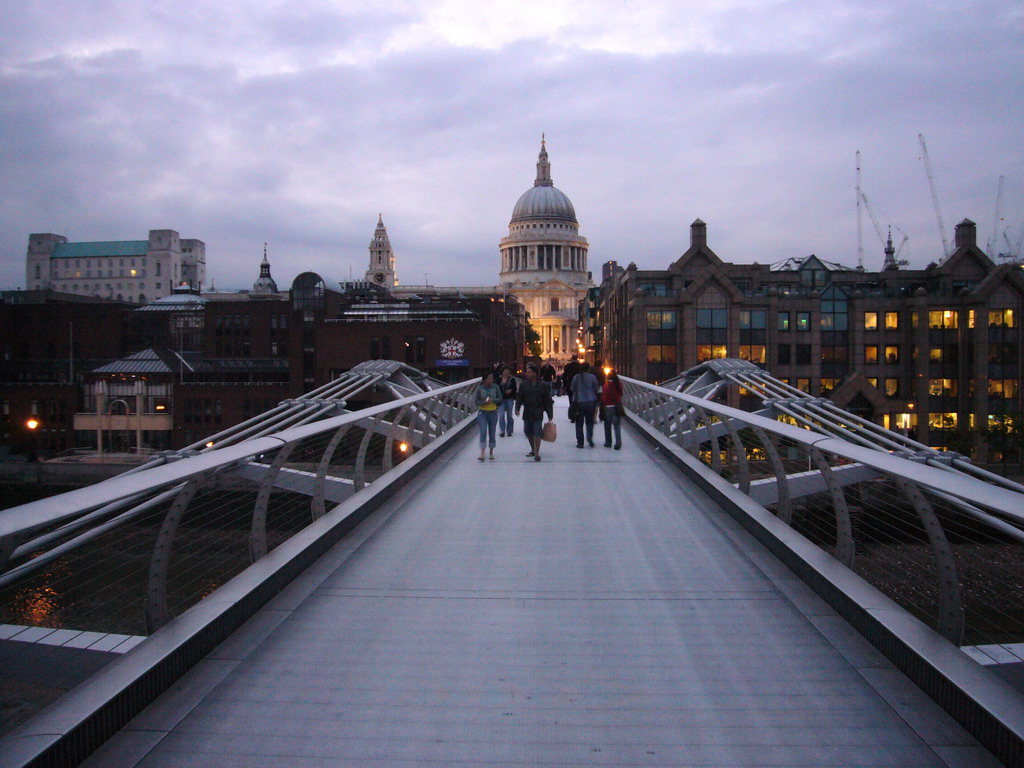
x: 890, y: 255
x: 382, y: 258
x: 543, y: 166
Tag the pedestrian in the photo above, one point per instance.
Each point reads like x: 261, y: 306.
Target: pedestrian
x: 534, y: 400
x: 509, y: 387
x: 547, y: 373
x: 488, y: 395
x: 611, y: 403
x: 569, y: 372
x: 585, y: 394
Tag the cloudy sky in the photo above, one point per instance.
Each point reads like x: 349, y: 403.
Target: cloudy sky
x: 295, y: 122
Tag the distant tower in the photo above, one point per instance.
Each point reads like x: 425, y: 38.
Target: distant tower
x: 382, y: 258
x: 890, y: 256
x: 264, y: 284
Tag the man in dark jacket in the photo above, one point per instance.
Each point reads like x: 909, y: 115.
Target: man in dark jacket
x: 534, y: 400
x: 568, y: 372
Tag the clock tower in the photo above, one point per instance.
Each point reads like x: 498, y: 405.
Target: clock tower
x: 382, y: 259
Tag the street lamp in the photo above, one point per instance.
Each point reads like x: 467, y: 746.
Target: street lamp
x: 32, y: 424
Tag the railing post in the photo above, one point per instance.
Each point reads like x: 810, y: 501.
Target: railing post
x: 157, y: 612
x: 258, y: 531
x: 844, y: 529
x: 316, y: 506
x: 951, y: 614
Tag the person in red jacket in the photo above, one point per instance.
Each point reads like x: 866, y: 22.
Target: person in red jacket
x: 611, y: 401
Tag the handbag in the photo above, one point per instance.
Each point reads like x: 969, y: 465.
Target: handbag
x: 574, y: 412
x: 549, y: 433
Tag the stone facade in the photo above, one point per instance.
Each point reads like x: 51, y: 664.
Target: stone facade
x: 544, y: 263
x: 135, y: 271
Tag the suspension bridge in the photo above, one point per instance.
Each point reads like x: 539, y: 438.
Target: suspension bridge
x: 325, y: 586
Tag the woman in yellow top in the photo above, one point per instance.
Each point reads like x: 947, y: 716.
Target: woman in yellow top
x: 488, y: 396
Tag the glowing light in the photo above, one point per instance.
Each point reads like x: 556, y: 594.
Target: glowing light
x: 32, y: 423
x: 607, y: 370
x: 403, y: 447
x: 210, y: 444
x: 161, y: 407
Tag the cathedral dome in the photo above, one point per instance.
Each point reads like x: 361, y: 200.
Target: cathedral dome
x: 543, y: 200
x: 544, y: 203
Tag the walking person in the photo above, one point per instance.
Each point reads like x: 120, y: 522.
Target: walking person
x: 534, y: 400
x: 488, y: 395
x: 509, y: 387
x: 569, y: 372
x: 585, y: 394
x: 611, y: 402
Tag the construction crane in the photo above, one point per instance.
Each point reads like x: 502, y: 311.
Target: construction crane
x: 935, y: 195
x: 996, y: 221
x: 860, y: 226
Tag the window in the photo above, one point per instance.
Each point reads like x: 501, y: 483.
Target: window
x: 783, y: 354
x: 661, y: 354
x: 997, y: 318
x: 711, y: 318
x: 942, y: 420
x: 752, y: 318
x: 661, y: 320
x: 892, y: 354
x: 870, y: 321
x: 1002, y: 388
x: 804, y: 385
x: 803, y: 321
x: 827, y: 385
x: 158, y: 267
x: 707, y: 352
x: 871, y: 354
x: 803, y: 354
x: 892, y: 387
x: 755, y: 353
x: 892, y: 321
x: 942, y: 319
x: 942, y: 387
x: 783, y: 321
x: 554, y: 304
x: 935, y: 354
x: 905, y: 421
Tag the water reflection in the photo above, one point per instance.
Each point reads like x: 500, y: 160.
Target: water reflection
x: 40, y: 604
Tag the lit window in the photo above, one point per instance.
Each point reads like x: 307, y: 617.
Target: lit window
x: 942, y: 319
x: 827, y: 385
x: 935, y: 354
x: 892, y: 387
x: 803, y: 321
x: 1001, y: 318
x: 892, y: 354
x: 783, y: 321
x: 755, y: 353
x: 892, y: 321
x: 942, y: 420
x: 804, y: 385
x: 871, y: 354
x: 942, y: 387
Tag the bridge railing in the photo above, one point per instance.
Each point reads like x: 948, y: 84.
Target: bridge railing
x: 946, y: 545
x: 128, y: 554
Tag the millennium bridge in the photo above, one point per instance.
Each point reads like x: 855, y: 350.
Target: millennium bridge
x: 326, y: 586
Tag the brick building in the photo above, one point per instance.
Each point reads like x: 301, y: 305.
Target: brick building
x: 933, y: 352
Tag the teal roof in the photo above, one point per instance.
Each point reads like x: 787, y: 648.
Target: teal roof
x: 94, y: 250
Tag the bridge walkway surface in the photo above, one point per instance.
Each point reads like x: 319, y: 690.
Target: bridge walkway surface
x: 590, y: 609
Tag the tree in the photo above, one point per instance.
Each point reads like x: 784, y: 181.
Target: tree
x: 532, y: 339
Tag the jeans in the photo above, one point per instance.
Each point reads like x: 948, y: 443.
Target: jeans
x: 486, y: 421
x: 586, y: 410
x: 612, y: 418
x: 505, y: 411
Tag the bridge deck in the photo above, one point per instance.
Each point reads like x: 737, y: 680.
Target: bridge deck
x: 591, y: 609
